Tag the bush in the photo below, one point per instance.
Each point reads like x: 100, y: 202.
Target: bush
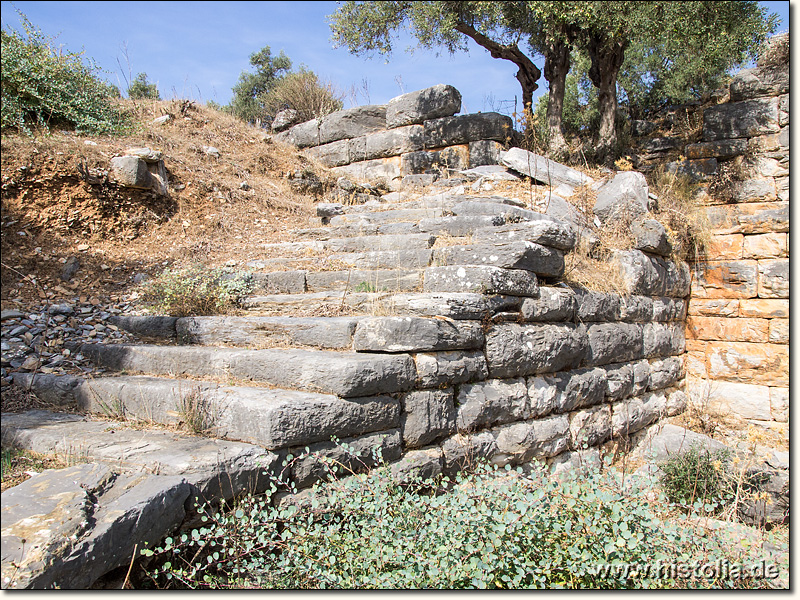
x: 303, y: 92
x: 196, y: 290
x: 698, y: 475
x: 490, y: 529
x: 46, y: 87
x: 141, y: 89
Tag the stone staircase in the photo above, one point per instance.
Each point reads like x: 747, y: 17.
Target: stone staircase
x: 435, y: 328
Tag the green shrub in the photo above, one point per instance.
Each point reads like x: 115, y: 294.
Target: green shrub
x: 490, y: 529
x: 698, y: 475
x: 44, y: 86
x: 140, y: 89
x: 196, y: 290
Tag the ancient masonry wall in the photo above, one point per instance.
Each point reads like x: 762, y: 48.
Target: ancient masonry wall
x: 411, y: 134
x: 738, y: 321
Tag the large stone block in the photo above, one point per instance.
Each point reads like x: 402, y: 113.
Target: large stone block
x: 139, y: 173
x: 449, y: 131
x: 416, y: 107
x: 637, y: 309
x: 629, y: 416
x: 567, y: 391
x: 779, y: 331
x: 544, y: 261
x: 669, y: 309
x: 553, y: 304
x: 642, y: 274
x: 745, y: 119
x: 747, y: 400
x: 596, y: 306
x: 749, y: 218
x: 428, y: 415
x: 764, y: 309
x: 625, y: 196
x: 651, y: 236
x: 334, y: 154
x: 779, y: 404
x: 521, y: 442
x: 717, y: 307
x: 755, y: 190
x: 547, y: 232
x: 450, y: 368
x: 765, y: 364
x: 721, y: 149
x: 758, y: 81
x: 766, y: 245
x: 728, y: 329
x: 302, y: 135
x: 371, y: 170
x: 590, y: 427
x: 460, y: 226
x: 415, y: 334
x: 463, y: 451
x: 513, y: 350
x: 641, y: 377
x: 663, y: 339
x: 544, y: 170
x: 433, y: 161
x: 726, y: 279
x: 481, y: 279
x: 619, y: 381
x: 665, y: 372
x: 773, y: 278
x: 422, y: 464
x: 351, y: 123
x: 490, y: 402
x: 394, y: 142
x: 613, y: 342
x: 484, y: 152
x: 725, y: 247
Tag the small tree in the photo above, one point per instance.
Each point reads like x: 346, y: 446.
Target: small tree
x: 249, y: 91
x: 141, y: 89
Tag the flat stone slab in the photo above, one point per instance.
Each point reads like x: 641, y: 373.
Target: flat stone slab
x: 372, y: 280
x: 454, y: 305
x: 483, y: 206
x: 528, y: 256
x: 314, y: 302
x: 387, y: 216
x: 514, y: 350
x: 66, y: 528
x: 346, y: 374
x: 146, y: 326
x: 483, y: 279
x: 543, y: 169
x: 390, y: 259
x: 254, y: 332
x: 460, y: 225
x: 416, y: 334
x: 216, y: 468
x: 547, y: 232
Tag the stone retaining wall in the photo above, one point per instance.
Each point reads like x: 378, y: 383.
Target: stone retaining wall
x: 411, y: 134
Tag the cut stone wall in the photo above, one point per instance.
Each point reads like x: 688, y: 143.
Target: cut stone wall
x: 412, y: 134
x: 738, y: 320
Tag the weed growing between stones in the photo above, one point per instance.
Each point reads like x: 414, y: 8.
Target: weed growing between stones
x: 699, y: 475
x: 196, y: 413
x: 490, y: 528
x: 196, y: 290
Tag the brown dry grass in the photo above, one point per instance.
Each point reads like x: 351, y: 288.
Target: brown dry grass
x: 55, y: 190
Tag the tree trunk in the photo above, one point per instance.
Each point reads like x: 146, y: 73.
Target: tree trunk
x: 556, y: 67
x: 607, y: 57
x: 528, y: 73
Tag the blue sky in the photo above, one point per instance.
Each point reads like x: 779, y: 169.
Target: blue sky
x: 198, y: 49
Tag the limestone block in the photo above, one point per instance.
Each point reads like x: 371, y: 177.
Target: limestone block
x: 302, y: 135
x: 783, y: 110
x: 720, y: 307
x: 428, y: 415
x: 464, y: 450
x: 543, y: 169
x: 726, y: 279
x: 482, y: 279
x: 548, y: 232
x: 669, y: 309
x: 513, y: 350
x: 677, y: 401
x: 460, y: 226
x: 613, y: 342
x: 423, y: 464
x: 764, y: 309
x: 596, y: 306
x: 416, y: 107
x: 284, y: 119
x: 415, y: 334
x: 699, y: 169
x: 749, y: 218
x: 779, y: 331
x: 542, y: 438
x: 782, y: 185
x: 767, y: 167
x: 773, y: 278
x: 490, y: 402
x: 553, y: 304
x: 371, y: 170
x: 641, y: 377
x: 642, y: 275
x: 484, y: 152
x: 663, y: 339
x: 636, y: 309
x: 725, y: 247
x: 767, y: 364
x: 629, y: 416
x: 449, y: 131
x: 728, y: 329
x: 590, y: 427
x: 678, y: 277
x: 744, y: 119
x: 779, y: 404
x: 334, y: 154
x: 625, y: 195
x: 430, y: 161
x: 436, y: 369
x: 393, y: 142
x: 351, y: 123
x: 566, y: 391
x: 695, y: 363
x: 665, y: 372
x: 747, y: 400
x: 758, y: 81
x: 651, y: 236
x: 544, y: 261
x: 755, y: 190
x: 140, y: 173
x: 720, y: 149
x: 619, y: 380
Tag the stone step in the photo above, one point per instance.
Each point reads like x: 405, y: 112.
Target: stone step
x: 388, y: 216
x: 363, y: 280
x: 385, y: 259
x: 481, y: 279
x: 217, y: 468
x: 361, y: 243
x: 458, y: 226
x: 346, y: 374
x: 551, y: 233
x: 544, y: 261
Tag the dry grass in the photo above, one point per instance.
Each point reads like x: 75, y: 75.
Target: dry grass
x: 20, y: 465
x: 582, y: 269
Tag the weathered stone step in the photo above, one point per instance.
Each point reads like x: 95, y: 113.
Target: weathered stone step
x: 386, y: 259
x: 460, y: 225
x: 362, y: 243
x: 346, y: 374
x: 388, y: 216
x: 217, y: 468
x: 360, y: 280
x: 525, y: 255
x: 551, y: 233
x: 482, y: 206
x: 481, y: 279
